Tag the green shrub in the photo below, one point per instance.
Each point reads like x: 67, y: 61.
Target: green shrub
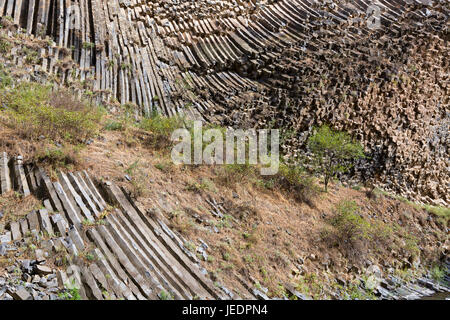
x: 158, y: 124
x: 333, y: 152
x: 354, y: 233
x: 295, y: 180
x: 291, y: 179
x: 5, y: 46
x: 164, y: 295
x: 114, y: 126
x: 230, y: 174
x: 355, y: 292
x: 31, y: 56
x: 5, y: 80
x: 349, y: 231
x: 438, y: 273
x: 198, y: 187
x: 88, y: 45
x: 160, y: 129
x: 72, y: 292
x: 349, y: 224
x: 34, y: 110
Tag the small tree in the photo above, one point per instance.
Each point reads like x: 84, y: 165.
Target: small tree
x: 333, y: 152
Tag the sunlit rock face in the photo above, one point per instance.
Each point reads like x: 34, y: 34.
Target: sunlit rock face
x: 376, y: 69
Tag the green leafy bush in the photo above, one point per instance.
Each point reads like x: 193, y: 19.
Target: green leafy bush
x: 333, y: 152
x: 34, y: 110
x: 295, y: 180
x: 349, y: 224
x: 160, y: 129
x: 438, y: 273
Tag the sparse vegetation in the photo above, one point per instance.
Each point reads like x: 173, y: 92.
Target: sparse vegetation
x: 438, y: 273
x: 165, y: 166
x: 290, y: 179
x: 294, y: 180
x: 184, y: 224
x: 88, y: 45
x: 138, y: 178
x: 442, y: 213
x: 350, y: 225
x: 353, y: 291
x: 5, y: 46
x: 89, y: 223
x: 14, y: 206
x: 354, y: 233
x: 31, y: 56
x: 5, y: 80
x: 72, y: 293
x: 310, y: 285
x: 204, y: 184
x: 164, y: 295
x: 114, y: 126
x: 64, y: 157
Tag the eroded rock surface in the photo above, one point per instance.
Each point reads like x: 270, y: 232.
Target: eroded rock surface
x: 289, y: 64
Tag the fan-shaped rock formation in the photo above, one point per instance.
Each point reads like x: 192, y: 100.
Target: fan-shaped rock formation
x: 376, y: 69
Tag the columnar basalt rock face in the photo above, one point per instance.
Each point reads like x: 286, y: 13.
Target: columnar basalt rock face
x: 292, y: 64
x: 132, y: 255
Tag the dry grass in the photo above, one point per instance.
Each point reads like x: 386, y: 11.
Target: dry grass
x: 15, y: 206
x: 182, y: 222
x: 6, y: 23
x: 42, y: 153
x: 291, y: 180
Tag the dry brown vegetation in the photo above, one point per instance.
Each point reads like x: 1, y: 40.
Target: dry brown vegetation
x: 15, y: 206
x: 272, y: 230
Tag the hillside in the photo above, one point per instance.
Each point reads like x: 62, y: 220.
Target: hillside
x: 252, y: 236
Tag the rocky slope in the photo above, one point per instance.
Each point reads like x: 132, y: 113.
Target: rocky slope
x: 76, y: 232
